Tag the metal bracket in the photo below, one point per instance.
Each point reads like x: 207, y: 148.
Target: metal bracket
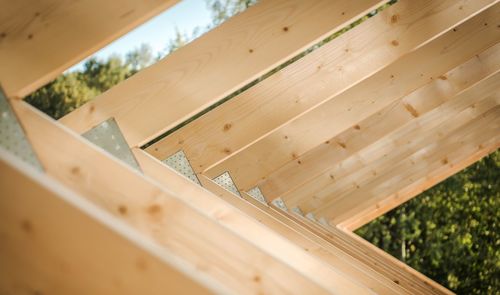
x: 12, y: 136
x: 180, y: 163
x: 278, y: 202
x: 227, y: 183
x: 109, y: 137
x: 256, y: 193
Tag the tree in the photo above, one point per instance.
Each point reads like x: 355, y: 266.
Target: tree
x: 450, y: 232
x: 71, y: 90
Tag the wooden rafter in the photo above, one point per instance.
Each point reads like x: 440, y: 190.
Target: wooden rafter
x: 54, y: 242
x: 215, y: 65
x: 346, y: 133
x: 401, y: 122
x: 243, y: 266
x: 345, y: 110
x: 420, y: 134
x: 421, y: 169
x: 339, y: 64
x: 41, y: 39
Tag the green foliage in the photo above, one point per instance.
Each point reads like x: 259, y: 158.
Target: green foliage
x: 71, y: 90
x: 450, y: 232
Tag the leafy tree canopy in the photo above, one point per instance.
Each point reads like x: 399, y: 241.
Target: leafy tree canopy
x: 451, y: 232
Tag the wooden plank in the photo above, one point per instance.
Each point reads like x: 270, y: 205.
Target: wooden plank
x: 314, y: 168
x: 213, y: 66
x: 367, y: 214
x: 300, y: 86
x: 185, y: 228
x: 55, y: 242
x: 41, y: 39
x: 380, y: 278
x: 319, y: 246
x: 480, y: 133
x: 359, y: 102
x: 395, y: 129
x: 395, y: 148
x: 266, y: 224
x: 263, y: 232
x: 365, y: 251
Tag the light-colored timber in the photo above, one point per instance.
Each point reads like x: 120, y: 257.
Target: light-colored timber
x: 216, y: 64
x: 419, y: 134
x: 40, y: 39
x: 338, y: 65
x: 243, y: 266
x: 313, y: 170
x: 55, y: 242
x: 363, y: 100
x: 475, y: 140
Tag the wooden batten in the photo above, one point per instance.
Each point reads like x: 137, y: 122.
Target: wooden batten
x: 339, y: 64
x: 383, y: 191
x: 55, y: 242
x: 41, y: 39
x: 216, y: 64
x: 365, y: 99
x: 328, y: 162
x: 180, y: 226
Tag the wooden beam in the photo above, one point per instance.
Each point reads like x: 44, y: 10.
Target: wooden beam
x: 242, y: 220
x: 213, y: 66
x: 314, y: 169
x: 369, y: 213
x: 480, y: 134
x: 365, y: 99
x: 367, y: 252
x: 185, y: 228
x: 401, y: 126
x: 55, y: 242
x: 309, y: 81
x: 370, y: 272
x: 41, y: 39
x: 264, y: 226
x: 396, y: 147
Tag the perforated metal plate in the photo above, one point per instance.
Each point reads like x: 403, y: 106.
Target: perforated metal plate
x: 109, y: 137
x: 12, y: 137
x: 310, y: 216
x: 180, y: 163
x: 323, y: 221
x: 278, y: 202
x: 297, y: 211
x: 227, y: 183
x: 256, y: 193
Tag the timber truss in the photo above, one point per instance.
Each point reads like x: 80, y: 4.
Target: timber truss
x: 260, y: 194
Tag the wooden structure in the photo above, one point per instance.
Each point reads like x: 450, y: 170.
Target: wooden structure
x: 270, y: 184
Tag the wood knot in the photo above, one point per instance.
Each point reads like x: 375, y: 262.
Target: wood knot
x: 27, y: 226
x: 395, y: 42
x: 154, y: 209
x: 227, y: 127
x: 285, y: 29
x: 394, y: 18
x: 122, y: 209
x: 411, y: 110
x: 75, y: 170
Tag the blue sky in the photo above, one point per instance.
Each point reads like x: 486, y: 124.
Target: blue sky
x: 185, y: 15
